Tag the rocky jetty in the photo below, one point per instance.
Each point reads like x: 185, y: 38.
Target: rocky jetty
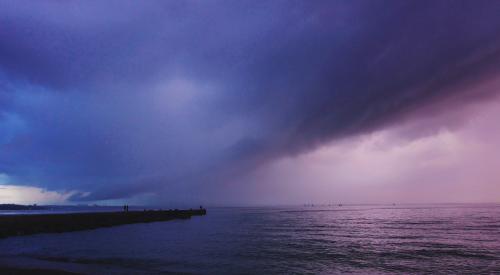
x: 24, y: 224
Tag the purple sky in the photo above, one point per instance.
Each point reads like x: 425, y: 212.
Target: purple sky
x: 249, y: 102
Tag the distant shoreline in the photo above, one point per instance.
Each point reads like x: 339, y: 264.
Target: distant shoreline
x: 32, y: 271
x: 17, y: 207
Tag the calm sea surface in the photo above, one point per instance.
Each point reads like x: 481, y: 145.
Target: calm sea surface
x: 314, y: 240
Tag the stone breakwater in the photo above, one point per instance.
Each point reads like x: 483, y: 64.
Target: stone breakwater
x: 18, y: 225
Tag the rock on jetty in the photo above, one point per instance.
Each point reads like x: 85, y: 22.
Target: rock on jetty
x: 16, y: 225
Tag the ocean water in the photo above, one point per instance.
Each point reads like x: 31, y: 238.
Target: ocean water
x: 367, y: 239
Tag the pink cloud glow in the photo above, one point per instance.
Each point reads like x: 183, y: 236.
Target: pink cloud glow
x: 433, y: 157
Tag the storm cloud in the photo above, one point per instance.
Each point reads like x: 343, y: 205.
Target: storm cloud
x: 115, y: 99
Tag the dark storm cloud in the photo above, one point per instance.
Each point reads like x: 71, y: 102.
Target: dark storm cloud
x: 123, y: 98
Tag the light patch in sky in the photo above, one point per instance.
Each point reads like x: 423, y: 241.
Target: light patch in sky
x: 28, y: 194
x: 31, y: 195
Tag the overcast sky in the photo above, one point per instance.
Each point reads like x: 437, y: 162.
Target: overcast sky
x: 249, y: 102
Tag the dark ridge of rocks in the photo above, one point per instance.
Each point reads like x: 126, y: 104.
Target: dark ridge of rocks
x: 18, y: 225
